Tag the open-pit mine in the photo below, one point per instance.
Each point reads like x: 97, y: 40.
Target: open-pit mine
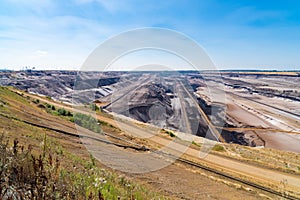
x: 252, y: 108
x: 178, y: 134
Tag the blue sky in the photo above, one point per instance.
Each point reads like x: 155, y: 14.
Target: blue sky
x: 60, y: 34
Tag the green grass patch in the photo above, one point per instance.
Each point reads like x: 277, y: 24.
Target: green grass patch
x: 94, y: 107
x: 26, y: 175
x: 218, y: 147
x: 87, y: 121
x: 170, y: 133
x: 7, y: 95
x: 196, y: 144
x: 103, y: 123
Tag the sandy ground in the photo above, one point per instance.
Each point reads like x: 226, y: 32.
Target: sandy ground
x: 243, y: 117
x: 282, y: 141
x: 235, y: 167
x: 175, y: 181
x: 258, y: 115
x: 191, y: 184
x: 259, y: 112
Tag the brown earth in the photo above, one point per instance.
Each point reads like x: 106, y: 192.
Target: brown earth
x: 175, y: 181
x: 274, y: 177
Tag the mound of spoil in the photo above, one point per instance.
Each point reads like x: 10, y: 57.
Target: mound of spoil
x: 151, y: 104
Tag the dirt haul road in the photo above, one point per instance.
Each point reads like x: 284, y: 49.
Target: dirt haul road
x: 228, y: 165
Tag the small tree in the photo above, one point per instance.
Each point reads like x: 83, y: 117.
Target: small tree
x: 62, y: 112
x: 94, y: 107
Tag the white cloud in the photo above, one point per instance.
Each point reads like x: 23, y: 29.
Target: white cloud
x: 38, y: 6
x: 111, y: 6
x: 115, y: 5
x: 40, y: 53
x: 58, y: 41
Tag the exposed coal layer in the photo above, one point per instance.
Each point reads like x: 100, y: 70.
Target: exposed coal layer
x: 150, y: 104
x: 168, y: 99
x: 59, y: 85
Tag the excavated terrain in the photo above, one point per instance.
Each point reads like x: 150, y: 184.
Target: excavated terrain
x: 254, y: 109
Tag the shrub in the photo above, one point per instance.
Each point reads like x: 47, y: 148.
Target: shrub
x: 196, y: 144
x: 48, y: 106
x: 24, y: 175
x: 94, y: 107
x: 171, y: 133
x: 218, y: 148
x: 69, y: 114
x: 87, y: 121
x: 62, y: 111
x: 41, y: 106
x: 36, y: 101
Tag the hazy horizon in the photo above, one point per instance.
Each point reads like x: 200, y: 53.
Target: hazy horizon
x: 180, y: 70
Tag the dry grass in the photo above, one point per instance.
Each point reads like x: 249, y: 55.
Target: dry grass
x: 53, y: 166
x: 266, y: 157
x: 28, y: 175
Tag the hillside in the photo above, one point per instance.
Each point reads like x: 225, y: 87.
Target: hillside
x: 78, y: 174
x: 37, y: 121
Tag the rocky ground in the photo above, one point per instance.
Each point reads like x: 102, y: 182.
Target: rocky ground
x: 254, y: 109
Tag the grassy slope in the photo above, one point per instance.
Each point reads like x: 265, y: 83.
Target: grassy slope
x: 271, y: 158
x: 286, y: 161
x: 83, y: 175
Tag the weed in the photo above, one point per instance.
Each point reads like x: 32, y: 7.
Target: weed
x: 103, y: 123
x: 170, y: 133
x: 87, y: 121
x: 196, y: 144
x: 218, y: 148
x: 94, y: 107
x: 36, y: 101
x: 28, y: 176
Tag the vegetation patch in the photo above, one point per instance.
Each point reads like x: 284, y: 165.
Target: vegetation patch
x: 87, y: 121
x: 170, y: 133
x: 266, y: 157
x: 196, y: 144
x: 218, y: 147
x: 63, y: 112
x: 10, y: 96
x: 94, y: 107
x: 25, y: 175
x: 36, y: 101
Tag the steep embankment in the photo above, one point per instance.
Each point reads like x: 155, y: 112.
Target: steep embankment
x: 57, y: 164
x: 22, y: 106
